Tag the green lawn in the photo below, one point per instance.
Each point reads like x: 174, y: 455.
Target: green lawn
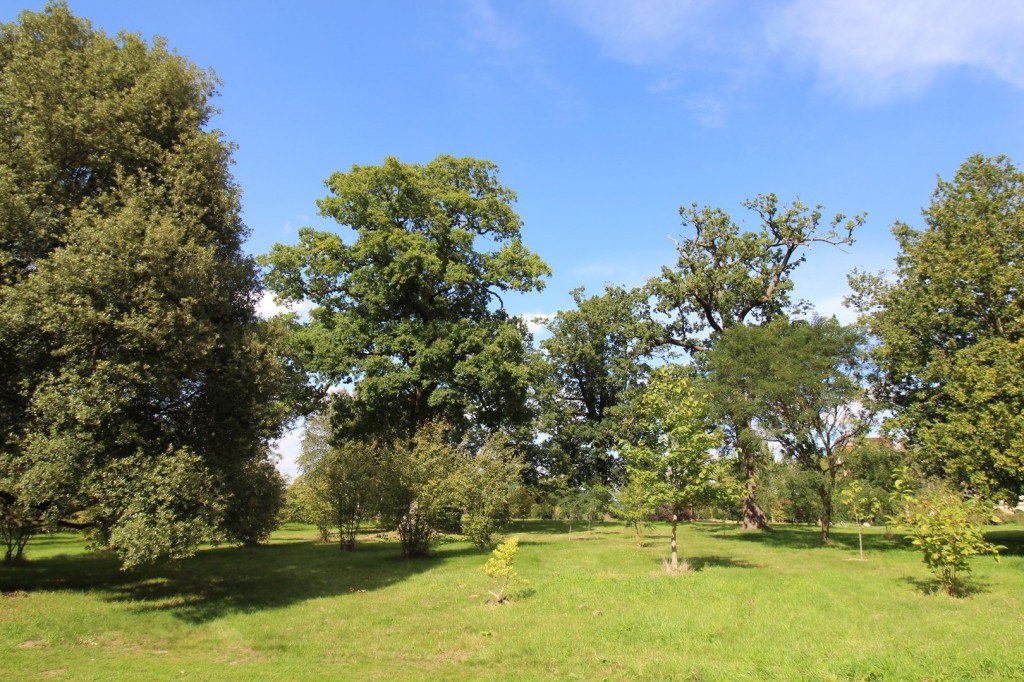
x: 756, y: 606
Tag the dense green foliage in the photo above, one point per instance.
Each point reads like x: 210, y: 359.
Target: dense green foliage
x: 946, y: 528
x: 724, y: 277
x: 594, y: 356
x: 138, y: 391
x: 411, y: 311
x: 673, y: 454
x: 797, y: 382
x: 501, y: 567
x: 341, y: 482
x: 951, y: 329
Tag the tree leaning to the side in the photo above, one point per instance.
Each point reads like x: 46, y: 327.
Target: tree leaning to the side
x: 139, y: 390
x: 950, y: 328
x: 726, y: 277
x: 674, y: 448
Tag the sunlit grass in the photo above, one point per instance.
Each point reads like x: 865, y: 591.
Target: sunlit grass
x: 755, y: 606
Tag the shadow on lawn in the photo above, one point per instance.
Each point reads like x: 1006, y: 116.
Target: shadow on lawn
x: 964, y: 588
x: 806, y: 537
x: 225, y: 580
x: 699, y: 563
x: 1011, y: 540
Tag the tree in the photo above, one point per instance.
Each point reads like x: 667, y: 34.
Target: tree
x: 594, y: 356
x: 596, y: 498
x: 501, y: 568
x: 139, y: 389
x: 342, y: 478
x: 874, y: 464
x: 675, y: 446
x: 411, y: 311
x: 798, y: 382
x: 950, y: 327
x: 946, y: 528
x: 725, y: 277
x: 861, y: 505
x: 636, y: 502
x: 486, y: 484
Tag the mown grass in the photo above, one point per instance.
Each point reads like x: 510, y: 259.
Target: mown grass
x: 755, y: 606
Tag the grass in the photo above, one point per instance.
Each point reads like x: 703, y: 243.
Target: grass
x: 756, y: 606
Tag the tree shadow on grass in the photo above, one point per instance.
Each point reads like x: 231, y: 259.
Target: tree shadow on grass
x: 963, y: 589
x: 699, y: 563
x: 224, y: 580
x: 1012, y: 540
x: 807, y: 537
x: 545, y: 526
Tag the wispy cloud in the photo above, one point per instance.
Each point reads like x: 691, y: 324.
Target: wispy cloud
x: 874, y: 50
x: 868, y: 51
x: 487, y: 27
x: 638, y: 31
x: 502, y: 47
x: 708, y: 110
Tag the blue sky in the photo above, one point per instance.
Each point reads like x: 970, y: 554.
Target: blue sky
x: 606, y: 115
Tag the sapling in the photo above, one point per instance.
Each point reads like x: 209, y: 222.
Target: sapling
x: 500, y: 567
x: 861, y: 506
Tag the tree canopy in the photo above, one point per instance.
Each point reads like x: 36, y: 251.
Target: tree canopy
x: 798, y: 382
x: 138, y: 386
x: 950, y: 327
x: 726, y: 276
x: 673, y: 455
x: 411, y: 311
x: 595, y: 355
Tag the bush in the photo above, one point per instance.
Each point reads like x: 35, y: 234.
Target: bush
x: 500, y: 568
x: 946, y: 528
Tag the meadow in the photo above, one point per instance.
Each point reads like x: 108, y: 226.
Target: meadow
x: 755, y: 606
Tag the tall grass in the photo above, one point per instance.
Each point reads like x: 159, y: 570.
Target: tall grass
x: 755, y: 606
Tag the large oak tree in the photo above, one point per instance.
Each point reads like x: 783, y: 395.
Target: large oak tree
x: 411, y: 310
x: 725, y: 276
x: 595, y: 356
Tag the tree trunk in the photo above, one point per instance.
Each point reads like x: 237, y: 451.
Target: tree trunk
x: 826, y: 490
x: 826, y: 516
x: 675, y: 555
x: 823, y: 521
x: 754, y: 517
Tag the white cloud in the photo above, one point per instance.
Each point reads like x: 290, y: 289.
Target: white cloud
x: 874, y: 50
x: 638, y: 31
x: 267, y: 307
x: 535, y: 322
x: 487, y: 27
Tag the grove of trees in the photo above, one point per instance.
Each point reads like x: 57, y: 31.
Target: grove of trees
x: 140, y: 391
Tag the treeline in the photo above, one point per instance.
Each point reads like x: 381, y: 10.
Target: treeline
x: 141, y: 390
x: 774, y: 410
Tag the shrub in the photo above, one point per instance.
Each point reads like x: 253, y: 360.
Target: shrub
x: 500, y: 567
x: 945, y: 528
